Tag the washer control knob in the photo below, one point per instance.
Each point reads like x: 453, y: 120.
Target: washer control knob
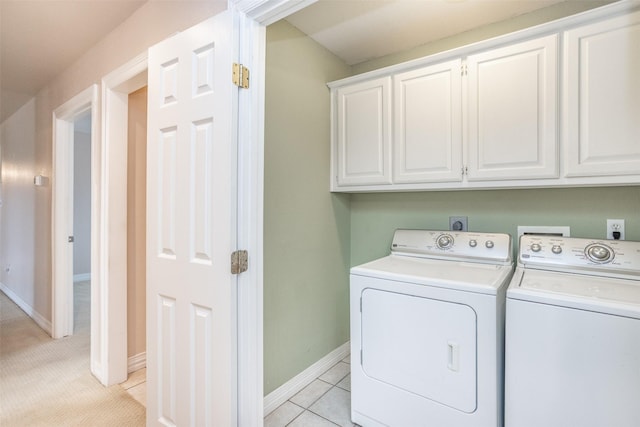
x: 536, y: 247
x: 444, y: 241
x: 556, y: 249
x: 599, y: 253
x: 489, y: 244
x: 473, y: 243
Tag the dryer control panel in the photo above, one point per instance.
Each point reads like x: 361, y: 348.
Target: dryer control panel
x: 573, y: 254
x: 464, y: 245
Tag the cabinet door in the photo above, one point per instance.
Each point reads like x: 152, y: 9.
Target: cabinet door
x: 512, y: 107
x: 428, y: 124
x: 602, y: 111
x: 363, y: 133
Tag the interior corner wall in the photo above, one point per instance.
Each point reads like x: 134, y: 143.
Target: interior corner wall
x: 18, y: 205
x: 306, y: 228
x: 81, y: 205
x: 136, y: 223
x: 27, y: 138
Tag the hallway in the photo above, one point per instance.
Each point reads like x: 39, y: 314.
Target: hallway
x: 45, y: 382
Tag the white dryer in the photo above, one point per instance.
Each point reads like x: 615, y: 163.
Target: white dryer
x: 573, y: 334
x: 427, y: 331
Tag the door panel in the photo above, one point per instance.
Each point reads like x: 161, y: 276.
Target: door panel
x: 364, y: 133
x: 603, y: 98
x: 421, y: 345
x: 512, y: 112
x: 191, y: 213
x: 428, y: 124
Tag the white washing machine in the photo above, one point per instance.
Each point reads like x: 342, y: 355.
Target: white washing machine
x: 573, y: 334
x: 427, y: 331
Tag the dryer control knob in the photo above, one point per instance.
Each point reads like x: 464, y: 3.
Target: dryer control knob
x: 556, y: 249
x: 444, y: 241
x: 473, y: 243
x: 489, y: 244
x: 599, y: 253
x: 536, y: 247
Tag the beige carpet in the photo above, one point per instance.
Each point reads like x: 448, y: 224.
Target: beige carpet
x: 45, y: 382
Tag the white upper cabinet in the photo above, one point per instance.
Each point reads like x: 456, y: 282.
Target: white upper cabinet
x: 554, y: 105
x: 602, y: 94
x: 427, y: 143
x: 363, y: 133
x: 512, y: 110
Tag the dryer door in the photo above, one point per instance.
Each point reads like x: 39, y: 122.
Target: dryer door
x: 420, y: 345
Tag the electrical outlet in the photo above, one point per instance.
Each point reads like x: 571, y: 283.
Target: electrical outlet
x: 615, y: 226
x: 458, y: 223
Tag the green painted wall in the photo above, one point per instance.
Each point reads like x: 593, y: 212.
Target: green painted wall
x: 306, y: 228
x: 374, y: 217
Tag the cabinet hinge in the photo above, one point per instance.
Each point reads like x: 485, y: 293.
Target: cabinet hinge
x: 239, y: 262
x: 463, y: 70
x: 240, y: 76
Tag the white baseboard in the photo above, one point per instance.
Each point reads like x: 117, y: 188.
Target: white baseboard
x: 137, y: 362
x: 83, y: 277
x: 37, y: 317
x: 289, y: 389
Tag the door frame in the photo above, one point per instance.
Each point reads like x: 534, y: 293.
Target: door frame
x: 110, y: 360
x: 62, y: 206
x: 253, y: 16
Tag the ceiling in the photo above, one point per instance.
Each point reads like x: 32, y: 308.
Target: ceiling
x: 39, y: 39
x: 361, y: 30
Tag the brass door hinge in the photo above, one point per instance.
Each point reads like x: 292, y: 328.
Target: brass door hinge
x: 240, y: 76
x: 239, y: 262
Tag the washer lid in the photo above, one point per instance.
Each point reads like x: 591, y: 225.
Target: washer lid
x: 464, y: 276
x: 601, y: 294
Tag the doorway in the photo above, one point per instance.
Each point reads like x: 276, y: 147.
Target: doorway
x: 121, y: 336
x: 81, y: 212
x: 81, y: 107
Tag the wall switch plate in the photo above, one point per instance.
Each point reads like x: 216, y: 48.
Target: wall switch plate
x: 615, y: 226
x: 458, y: 223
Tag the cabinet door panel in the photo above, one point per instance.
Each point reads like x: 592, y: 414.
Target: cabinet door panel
x: 428, y: 124
x: 602, y: 81
x: 512, y: 106
x: 364, y: 133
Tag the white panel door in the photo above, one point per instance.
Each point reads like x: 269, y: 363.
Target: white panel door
x: 191, y: 228
x: 512, y: 112
x: 602, y: 83
x: 428, y: 124
x: 364, y: 133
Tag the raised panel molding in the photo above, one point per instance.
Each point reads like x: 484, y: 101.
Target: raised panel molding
x: 166, y: 335
x: 201, y: 191
x: 602, y: 115
x: 512, y: 112
x: 364, y: 133
x: 428, y: 124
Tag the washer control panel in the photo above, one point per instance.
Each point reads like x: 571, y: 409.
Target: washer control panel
x: 578, y: 253
x: 494, y: 247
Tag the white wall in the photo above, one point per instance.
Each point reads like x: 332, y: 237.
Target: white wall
x: 27, y: 136
x: 17, y: 213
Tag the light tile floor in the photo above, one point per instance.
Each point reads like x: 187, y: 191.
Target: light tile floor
x: 326, y: 402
